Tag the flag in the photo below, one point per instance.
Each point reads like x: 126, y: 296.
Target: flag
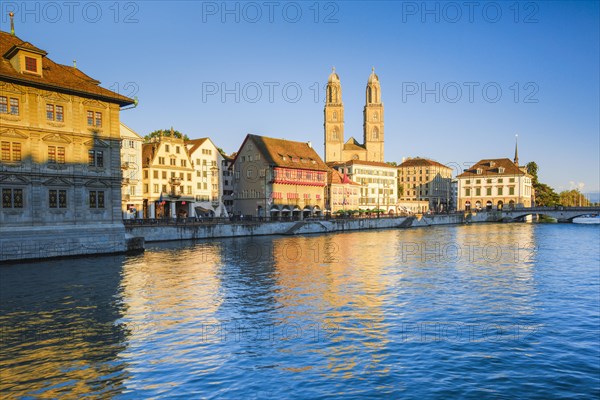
x: 160, y: 200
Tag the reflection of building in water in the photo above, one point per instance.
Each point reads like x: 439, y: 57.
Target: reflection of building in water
x: 63, y: 341
x: 337, y: 282
x: 182, y: 283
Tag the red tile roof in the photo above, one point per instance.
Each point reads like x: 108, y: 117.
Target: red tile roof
x: 334, y: 177
x: 55, y: 76
x: 421, y: 162
x: 492, y: 167
x: 287, y: 153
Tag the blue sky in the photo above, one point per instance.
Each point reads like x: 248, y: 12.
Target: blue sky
x: 457, y: 82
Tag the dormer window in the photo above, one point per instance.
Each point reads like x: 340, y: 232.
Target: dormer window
x: 479, y: 171
x: 501, y: 170
x: 30, y: 64
x: 492, y: 163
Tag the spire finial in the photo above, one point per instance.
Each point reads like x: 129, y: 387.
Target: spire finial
x: 12, y: 23
x: 75, y: 64
x: 373, y: 69
x: 516, y: 160
x: 333, y: 69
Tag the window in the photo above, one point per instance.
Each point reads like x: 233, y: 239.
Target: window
x: 189, y: 177
x: 164, y: 175
x: 49, y: 112
x: 56, y: 155
x: 155, y: 174
x: 183, y: 162
x: 96, y: 199
x: 57, y: 198
x: 11, y: 151
x: 95, y: 158
x: 488, y: 180
x: 478, y: 192
x: 511, y: 190
x: 155, y: 188
x: 500, y: 180
x: 60, y: 115
x: 145, y: 188
x: 146, y: 174
x: 488, y: 191
x: 14, y: 106
x: 173, y: 161
x: 512, y: 180
x: 499, y: 191
x: 94, y: 118
x: 55, y: 113
x: 177, y: 149
x: 167, y: 148
x: 12, y: 198
x: 30, y: 64
x: 3, y: 104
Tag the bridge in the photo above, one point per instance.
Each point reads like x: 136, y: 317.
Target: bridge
x: 562, y: 214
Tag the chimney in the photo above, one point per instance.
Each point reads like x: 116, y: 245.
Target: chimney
x: 12, y: 23
x: 309, y: 143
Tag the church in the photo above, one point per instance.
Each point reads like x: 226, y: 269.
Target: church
x: 371, y: 149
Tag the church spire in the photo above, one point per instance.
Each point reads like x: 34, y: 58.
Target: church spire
x: 516, y: 160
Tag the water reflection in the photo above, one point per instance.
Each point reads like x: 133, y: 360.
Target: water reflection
x: 433, y: 312
x: 60, y: 335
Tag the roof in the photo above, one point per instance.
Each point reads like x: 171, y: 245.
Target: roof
x: 352, y: 144
x: 492, y: 166
x: 128, y: 132
x: 335, y: 178
x: 286, y: 153
x: 363, y: 162
x: 57, y: 77
x: 195, y: 143
x: 421, y: 162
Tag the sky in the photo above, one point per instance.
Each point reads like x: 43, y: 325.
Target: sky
x: 459, y: 79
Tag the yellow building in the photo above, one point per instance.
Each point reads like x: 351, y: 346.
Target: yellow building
x: 494, y: 184
x: 286, y: 178
x: 60, y: 153
x: 426, y: 182
x: 372, y: 148
x: 168, y: 178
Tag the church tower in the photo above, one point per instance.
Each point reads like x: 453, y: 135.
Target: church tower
x: 334, y: 119
x: 373, y: 120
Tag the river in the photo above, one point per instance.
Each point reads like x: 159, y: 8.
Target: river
x: 478, y: 311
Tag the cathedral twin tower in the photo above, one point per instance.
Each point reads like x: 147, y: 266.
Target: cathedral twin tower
x: 336, y: 150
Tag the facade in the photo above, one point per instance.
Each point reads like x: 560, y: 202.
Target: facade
x: 378, y: 181
x: 494, y: 184
x: 424, y: 180
x: 342, y: 193
x: 207, y: 161
x: 132, y: 199
x: 169, y: 178
x: 372, y: 148
x: 283, y: 177
x: 227, y: 177
x: 60, y: 174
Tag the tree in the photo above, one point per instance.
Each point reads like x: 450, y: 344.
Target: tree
x: 573, y: 198
x: 545, y: 196
x: 165, y: 132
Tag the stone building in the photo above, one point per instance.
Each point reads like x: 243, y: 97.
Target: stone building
x: 169, y: 178
x: 372, y: 148
x: 425, y: 180
x: 208, y: 191
x: 284, y: 177
x: 60, y: 164
x: 494, y: 184
x: 378, y: 183
x: 132, y: 199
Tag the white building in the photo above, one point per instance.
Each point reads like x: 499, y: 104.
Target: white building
x: 208, y: 190
x: 379, y: 183
x: 131, y: 166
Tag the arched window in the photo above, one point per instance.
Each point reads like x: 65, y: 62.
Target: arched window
x: 375, y: 135
x: 335, y: 134
x: 335, y: 115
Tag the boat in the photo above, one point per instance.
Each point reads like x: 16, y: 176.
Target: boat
x: 587, y: 219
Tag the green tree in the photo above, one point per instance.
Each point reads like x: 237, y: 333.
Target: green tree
x: 165, y: 132
x: 573, y: 198
x: 545, y: 196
